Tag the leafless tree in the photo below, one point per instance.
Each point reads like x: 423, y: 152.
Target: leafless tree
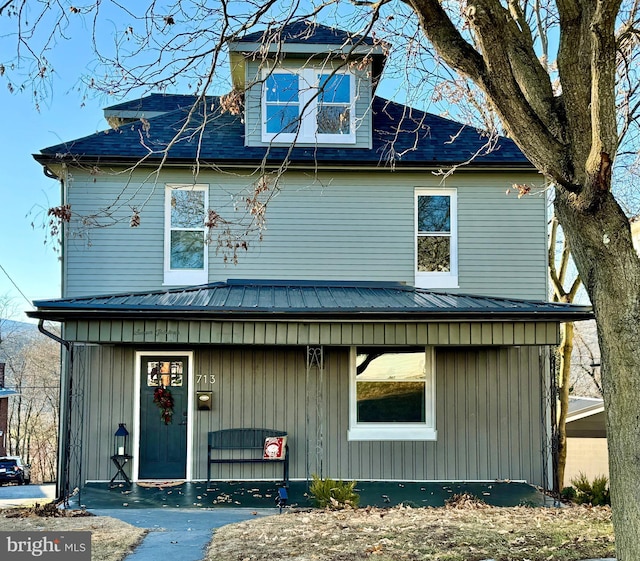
x: 558, y: 274
x: 32, y: 369
x: 560, y: 75
x: 585, y: 363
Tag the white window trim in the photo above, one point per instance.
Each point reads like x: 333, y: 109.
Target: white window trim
x: 136, y: 410
x: 394, y: 431
x: 183, y: 277
x: 438, y: 279
x: 308, y: 103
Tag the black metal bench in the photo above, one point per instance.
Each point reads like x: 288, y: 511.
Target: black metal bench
x: 234, y: 446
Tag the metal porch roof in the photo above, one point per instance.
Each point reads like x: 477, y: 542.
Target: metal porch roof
x: 289, y: 299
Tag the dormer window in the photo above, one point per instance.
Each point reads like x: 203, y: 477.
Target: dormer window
x: 308, y: 106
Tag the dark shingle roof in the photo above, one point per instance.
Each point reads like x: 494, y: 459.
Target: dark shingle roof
x: 306, y: 32
x: 266, y: 299
x: 155, y: 102
x: 402, y: 135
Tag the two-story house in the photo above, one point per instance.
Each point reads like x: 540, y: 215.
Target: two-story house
x: 393, y: 322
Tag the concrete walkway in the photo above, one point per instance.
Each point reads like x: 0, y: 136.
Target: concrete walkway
x: 179, y: 534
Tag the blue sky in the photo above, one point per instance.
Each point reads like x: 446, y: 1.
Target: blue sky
x: 26, y: 192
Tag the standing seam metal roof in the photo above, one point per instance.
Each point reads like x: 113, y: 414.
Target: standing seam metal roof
x: 320, y: 298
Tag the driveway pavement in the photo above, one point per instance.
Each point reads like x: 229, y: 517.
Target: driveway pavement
x: 23, y: 495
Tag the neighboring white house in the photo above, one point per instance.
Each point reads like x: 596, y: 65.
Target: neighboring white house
x: 586, y: 439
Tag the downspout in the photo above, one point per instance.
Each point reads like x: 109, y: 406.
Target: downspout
x: 64, y: 444
x: 64, y: 432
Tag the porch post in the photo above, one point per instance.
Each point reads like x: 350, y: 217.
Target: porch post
x: 315, y: 360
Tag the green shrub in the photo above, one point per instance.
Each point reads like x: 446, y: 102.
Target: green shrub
x: 595, y: 493
x: 568, y: 493
x: 332, y: 494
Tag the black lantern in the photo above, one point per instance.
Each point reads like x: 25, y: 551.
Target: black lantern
x: 121, y: 441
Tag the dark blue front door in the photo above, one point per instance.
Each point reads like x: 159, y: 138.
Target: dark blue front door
x: 163, y: 430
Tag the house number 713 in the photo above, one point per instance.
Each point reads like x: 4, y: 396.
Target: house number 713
x: 206, y: 379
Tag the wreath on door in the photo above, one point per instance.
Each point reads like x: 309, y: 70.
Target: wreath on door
x: 164, y: 400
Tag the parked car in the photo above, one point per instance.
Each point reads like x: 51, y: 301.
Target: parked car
x: 12, y: 468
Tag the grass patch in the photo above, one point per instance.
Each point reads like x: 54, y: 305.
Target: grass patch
x: 111, y: 539
x: 464, y: 531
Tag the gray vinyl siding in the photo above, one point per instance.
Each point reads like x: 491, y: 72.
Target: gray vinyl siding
x: 253, y: 105
x: 164, y: 332
x: 327, y: 226
x: 488, y: 413
x: 104, y: 377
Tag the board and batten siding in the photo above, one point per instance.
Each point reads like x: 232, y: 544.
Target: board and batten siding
x: 345, y: 226
x: 312, y: 333
x: 489, y: 414
x: 253, y: 102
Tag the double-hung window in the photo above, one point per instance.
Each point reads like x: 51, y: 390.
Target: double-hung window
x: 392, y: 394
x: 436, y: 241
x: 185, y: 247
x: 308, y: 106
x: 282, y: 104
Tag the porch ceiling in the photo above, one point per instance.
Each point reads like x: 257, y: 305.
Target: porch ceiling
x: 296, y: 300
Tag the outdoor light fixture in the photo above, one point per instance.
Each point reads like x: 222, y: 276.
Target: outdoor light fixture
x: 121, y: 442
x: 121, y: 455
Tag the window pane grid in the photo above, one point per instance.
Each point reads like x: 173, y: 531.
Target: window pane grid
x: 282, y: 105
x: 186, y: 243
x: 434, y: 237
x: 327, y: 102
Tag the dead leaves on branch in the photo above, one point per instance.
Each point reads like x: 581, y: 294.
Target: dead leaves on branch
x: 58, y: 216
x: 232, y: 102
x: 522, y: 190
x: 231, y: 235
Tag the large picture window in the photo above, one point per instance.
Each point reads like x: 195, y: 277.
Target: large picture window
x: 308, y: 106
x: 392, y: 394
x: 436, y: 239
x: 185, y: 235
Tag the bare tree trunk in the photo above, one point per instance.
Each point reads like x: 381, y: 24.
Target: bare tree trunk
x: 557, y: 276
x: 566, y: 347
x: 610, y: 270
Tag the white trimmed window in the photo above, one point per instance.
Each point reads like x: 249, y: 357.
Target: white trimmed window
x: 392, y: 394
x: 436, y: 238
x: 185, y: 247
x: 308, y: 106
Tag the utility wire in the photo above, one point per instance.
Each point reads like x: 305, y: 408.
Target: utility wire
x: 16, y: 286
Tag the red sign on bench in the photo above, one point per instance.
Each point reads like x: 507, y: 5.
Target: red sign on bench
x: 274, y: 447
